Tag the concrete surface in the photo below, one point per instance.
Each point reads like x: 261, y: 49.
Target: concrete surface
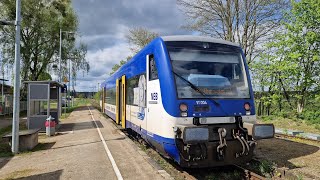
x: 311, y: 136
x: 289, y: 132
x: 28, y: 139
x: 298, y: 133
x: 78, y: 153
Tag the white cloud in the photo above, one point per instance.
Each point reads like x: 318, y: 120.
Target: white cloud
x: 103, y: 25
x: 101, y: 63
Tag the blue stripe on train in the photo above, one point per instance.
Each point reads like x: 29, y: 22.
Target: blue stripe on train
x: 168, y: 144
x: 110, y: 114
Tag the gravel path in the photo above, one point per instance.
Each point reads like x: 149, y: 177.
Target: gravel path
x: 300, y: 158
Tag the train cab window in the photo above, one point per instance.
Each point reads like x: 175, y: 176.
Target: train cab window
x: 153, y: 72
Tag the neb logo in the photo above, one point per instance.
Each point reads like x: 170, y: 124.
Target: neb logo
x: 154, y: 96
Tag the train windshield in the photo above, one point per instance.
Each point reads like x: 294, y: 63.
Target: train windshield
x: 216, y: 74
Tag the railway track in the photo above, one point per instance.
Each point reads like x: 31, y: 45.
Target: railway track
x: 249, y: 175
x: 289, y: 137
x: 245, y: 174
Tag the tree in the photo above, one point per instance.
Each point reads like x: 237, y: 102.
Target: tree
x: 44, y: 76
x: 294, y: 57
x: 40, y: 26
x: 117, y: 66
x: 137, y: 38
x: 247, y: 22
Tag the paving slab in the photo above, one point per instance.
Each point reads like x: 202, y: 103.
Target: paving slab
x: 78, y: 153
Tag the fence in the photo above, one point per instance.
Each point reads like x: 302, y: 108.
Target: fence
x: 7, y: 108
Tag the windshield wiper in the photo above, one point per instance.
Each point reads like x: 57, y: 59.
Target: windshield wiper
x: 194, y: 87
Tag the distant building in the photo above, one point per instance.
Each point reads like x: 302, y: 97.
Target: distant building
x: 6, y: 89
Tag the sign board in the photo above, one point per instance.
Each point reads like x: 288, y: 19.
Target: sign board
x: 65, y: 79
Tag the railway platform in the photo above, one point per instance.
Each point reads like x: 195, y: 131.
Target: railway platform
x: 87, y: 146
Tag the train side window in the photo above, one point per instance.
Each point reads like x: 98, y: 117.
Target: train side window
x: 153, y: 72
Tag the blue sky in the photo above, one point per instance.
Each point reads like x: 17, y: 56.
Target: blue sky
x: 103, y: 25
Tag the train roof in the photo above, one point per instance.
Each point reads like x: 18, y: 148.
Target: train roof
x: 166, y: 39
x: 197, y: 38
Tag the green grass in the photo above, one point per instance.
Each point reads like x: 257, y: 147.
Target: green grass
x: 292, y: 124
x: 263, y: 167
x: 5, y: 149
x: 78, y: 102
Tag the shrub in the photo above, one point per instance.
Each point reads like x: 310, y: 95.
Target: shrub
x: 267, y: 118
x: 312, y: 117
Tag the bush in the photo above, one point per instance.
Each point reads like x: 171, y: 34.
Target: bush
x: 312, y: 117
x: 267, y: 118
x: 284, y: 114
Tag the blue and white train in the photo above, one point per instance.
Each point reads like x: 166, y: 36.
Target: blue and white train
x: 189, y: 97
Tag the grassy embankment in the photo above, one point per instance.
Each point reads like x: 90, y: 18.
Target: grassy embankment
x: 291, y: 123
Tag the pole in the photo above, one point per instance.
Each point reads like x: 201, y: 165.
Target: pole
x: 60, y: 58
x: 2, y: 98
x: 69, y: 85
x: 16, y: 97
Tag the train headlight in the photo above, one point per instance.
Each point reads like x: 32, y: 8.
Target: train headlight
x: 183, y: 109
x: 195, y: 134
x: 247, y: 106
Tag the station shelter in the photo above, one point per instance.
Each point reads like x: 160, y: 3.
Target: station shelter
x: 44, y: 100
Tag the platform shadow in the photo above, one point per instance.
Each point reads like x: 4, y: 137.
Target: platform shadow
x: 4, y: 161
x: 79, y: 126
x: 54, y: 175
x: 281, y: 151
x: 43, y: 146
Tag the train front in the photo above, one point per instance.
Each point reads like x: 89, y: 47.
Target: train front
x: 216, y: 114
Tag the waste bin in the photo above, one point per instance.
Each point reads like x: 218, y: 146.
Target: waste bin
x: 50, y: 126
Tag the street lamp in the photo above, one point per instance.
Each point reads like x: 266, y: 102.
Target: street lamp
x: 16, y: 90
x: 60, y: 50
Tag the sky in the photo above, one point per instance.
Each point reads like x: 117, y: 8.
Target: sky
x: 103, y: 25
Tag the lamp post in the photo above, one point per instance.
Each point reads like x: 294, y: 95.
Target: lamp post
x: 16, y: 89
x: 60, y: 50
x: 60, y: 60
x: 60, y: 47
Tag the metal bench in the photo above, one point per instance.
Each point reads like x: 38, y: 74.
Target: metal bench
x: 28, y: 139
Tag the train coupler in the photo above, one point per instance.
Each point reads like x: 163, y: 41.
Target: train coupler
x: 221, y: 148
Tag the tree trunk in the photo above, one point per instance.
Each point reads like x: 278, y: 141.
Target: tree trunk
x: 300, y: 105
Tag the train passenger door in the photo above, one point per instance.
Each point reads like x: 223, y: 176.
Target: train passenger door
x: 151, y: 96
x: 121, y: 101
